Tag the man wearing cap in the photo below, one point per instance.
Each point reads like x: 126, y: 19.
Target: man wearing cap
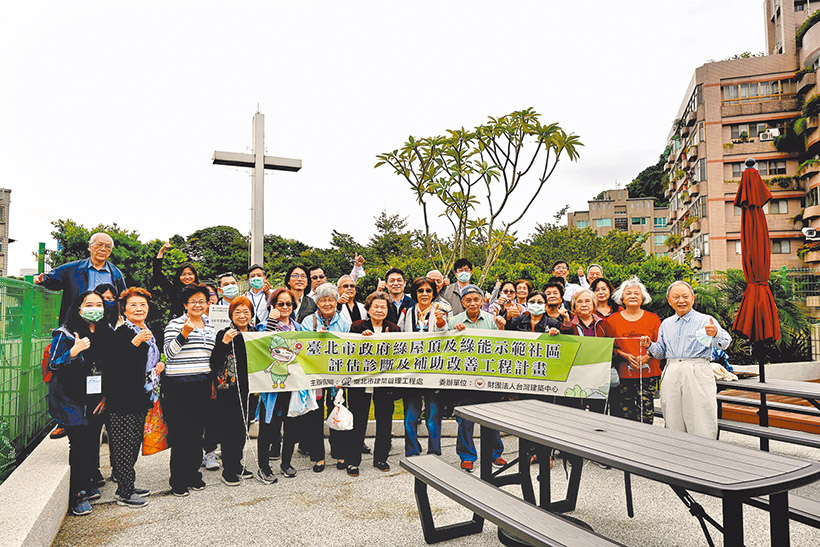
x: 473, y: 317
x: 686, y: 340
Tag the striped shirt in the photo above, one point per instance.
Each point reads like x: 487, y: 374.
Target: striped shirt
x: 676, y: 337
x: 188, y: 356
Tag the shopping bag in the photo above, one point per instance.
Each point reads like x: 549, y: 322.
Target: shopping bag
x: 340, y: 418
x: 301, y: 402
x: 155, y: 434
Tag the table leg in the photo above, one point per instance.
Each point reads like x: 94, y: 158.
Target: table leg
x: 486, y: 454
x: 524, y: 449
x: 732, y: 522
x: 779, y: 519
x: 763, y: 421
x: 544, y: 494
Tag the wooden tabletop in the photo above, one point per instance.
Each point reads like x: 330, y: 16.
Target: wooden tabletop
x: 673, y: 457
x: 788, y: 388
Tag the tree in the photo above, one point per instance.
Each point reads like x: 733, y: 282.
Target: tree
x: 391, y: 238
x: 470, y: 176
x: 650, y: 183
x: 216, y: 250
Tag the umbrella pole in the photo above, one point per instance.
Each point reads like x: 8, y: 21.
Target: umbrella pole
x: 763, y: 410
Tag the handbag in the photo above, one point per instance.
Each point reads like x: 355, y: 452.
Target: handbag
x: 155, y: 433
x: 301, y: 402
x: 340, y: 418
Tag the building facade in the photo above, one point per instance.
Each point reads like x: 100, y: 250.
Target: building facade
x: 618, y: 211
x: 741, y: 108
x: 5, y: 201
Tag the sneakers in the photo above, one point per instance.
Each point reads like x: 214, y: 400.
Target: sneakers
x: 132, y: 501
x: 245, y: 474
x: 58, y: 433
x: 352, y: 471
x: 499, y: 462
x: 209, y: 461
x: 467, y: 466
x: 230, y: 480
x: 381, y: 466
x: 82, y: 508
x: 288, y: 472
x: 266, y: 477
x: 199, y: 485
x: 93, y: 494
x: 341, y: 465
x: 142, y: 492
x: 180, y: 492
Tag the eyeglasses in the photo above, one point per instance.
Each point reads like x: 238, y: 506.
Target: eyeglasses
x: 298, y: 276
x: 197, y: 303
x: 103, y: 246
x: 424, y: 290
x: 315, y: 277
x: 284, y: 304
x: 508, y: 291
x: 347, y: 286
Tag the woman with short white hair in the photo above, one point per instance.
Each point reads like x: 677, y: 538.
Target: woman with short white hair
x: 639, y: 373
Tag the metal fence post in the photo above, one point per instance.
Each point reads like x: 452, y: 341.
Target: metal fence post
x: 27, y: 324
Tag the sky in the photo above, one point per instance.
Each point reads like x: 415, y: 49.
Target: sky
x: 111, y: 112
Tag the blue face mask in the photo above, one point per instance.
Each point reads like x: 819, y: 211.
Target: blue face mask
x: 109, y: 304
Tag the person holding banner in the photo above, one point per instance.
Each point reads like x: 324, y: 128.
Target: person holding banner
x: 426, y: 315
x: 474, y: 318
x: 554, y: 293
x: 350, y: 309
x: 358, y: 398
x: 128, y: 380
x: 186, y: 392
x: 229, y: 395
x: 586, y: 323
x: 535, y: 318
x: 639, y: 372
x: 330, y: 320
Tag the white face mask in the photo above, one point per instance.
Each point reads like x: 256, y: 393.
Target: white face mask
x: 536, y: 308
x: 703, y: 338
x: 464, y: 277
x: 230, y: 291
x: 257, y: 282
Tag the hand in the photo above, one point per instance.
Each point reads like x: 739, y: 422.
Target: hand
x: 229, y: 335
x: 368, y: 332
x: 382, y: 285
x: 358, y: 260
x: 100, y: 407
x: 513, y: 311
x: 460, y: 326
x: 553, y: 331
x: 564, y: 313
x: 500, y: 322
x: 711, y: 328
x: 439, y: 314
x: 165, y: 247
x: 160, y: 367
x: 274, y: 314
x: 80, y: 345
x: 188, y: 327
x: 344, y: 298
x: 580, y: 272
x: 266, y: 288
x: 446, y: 281
x: 498, y: 284
x: 39, y: 278
x: 143, y: 336
x: 645, y: 341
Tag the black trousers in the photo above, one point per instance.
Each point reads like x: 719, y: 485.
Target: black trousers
x: 184, y: 407
x: 210, y: 439
x: 359, y: 404
x: 336, y: 438
x: 83, y: 454
x: 269, y: 441
x: 125, y: 433
x: 230, y: 420
x: 308, y: 430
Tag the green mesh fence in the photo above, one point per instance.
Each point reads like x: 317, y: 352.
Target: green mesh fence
x: 28, y: 314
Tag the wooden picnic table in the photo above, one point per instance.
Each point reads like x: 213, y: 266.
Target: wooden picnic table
x: 684, y: 461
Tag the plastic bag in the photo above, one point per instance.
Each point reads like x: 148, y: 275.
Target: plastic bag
x: 155, y: 434
x: 340, y: 418
x: 301, y: 402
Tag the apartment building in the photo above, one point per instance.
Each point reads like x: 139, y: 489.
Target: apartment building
x: 617, y: 211
x: 741, y: 108
x: 5, y: 201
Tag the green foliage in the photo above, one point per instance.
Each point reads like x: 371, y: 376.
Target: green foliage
x: 791, y: 138
x: 673, y: 240
x: 804, y: 28
x: 783, y: 182
x: 651, y: 183
x: 391, y: 240
x: 811, y: 108
x: 744, y: 55
x: 216, y: 250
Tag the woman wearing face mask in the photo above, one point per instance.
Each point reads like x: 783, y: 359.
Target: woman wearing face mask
x: 112, y: 310
x: 185, y: 275
x: 229, y: 369
x: 130, y: 381
x: 78, y: 350
x: 535, y: 319
x: 604, y: 304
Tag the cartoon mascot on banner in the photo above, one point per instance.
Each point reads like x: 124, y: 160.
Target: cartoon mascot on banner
x: 284, y: 365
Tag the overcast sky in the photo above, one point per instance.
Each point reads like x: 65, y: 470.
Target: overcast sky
x: 111, y: 113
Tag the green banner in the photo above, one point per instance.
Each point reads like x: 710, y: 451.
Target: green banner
x: 483, y: 360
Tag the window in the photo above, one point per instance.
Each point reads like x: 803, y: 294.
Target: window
x: 737, y: 170
x: 772, y: 167
x: 776, y: 207
x: 639, y: 221
x: 700, y: 170
x: 701, y: 243
x: 755, y: 92
x: 660, y: 239
x: 699, y: 207
x: 582, y: 224
x: 602, y: 222
x: 799, y: 5
x: 752, y: 130
x: 660, y: 222
x: 780, y: 247
x: 620, y: 224
x: 738, y: 211
x: 813, y: 197
x: 2, y: 214
x: 738, y: 249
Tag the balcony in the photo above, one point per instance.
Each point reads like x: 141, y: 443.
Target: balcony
x: 695, y: 227
x: 787, y: 104
x: 684, y: 131
x: 694, y: 189
x: 692, y: 117
x: 812, y: 212
x: 807, y: 81
x: 754, y: 146
x: 692, y: 153
x: 811, y: 257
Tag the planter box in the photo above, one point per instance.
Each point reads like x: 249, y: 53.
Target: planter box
x: 694, y: 190
x: 812, y: 256
x: 695, y: 226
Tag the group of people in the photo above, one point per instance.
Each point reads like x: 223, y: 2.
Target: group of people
x: 108, y: 369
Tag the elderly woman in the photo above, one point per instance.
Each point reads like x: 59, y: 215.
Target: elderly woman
x: 426, y: 315
x: 535, y: 319
x: 586, y: 323
x: 555, y: 309
x: 130, y: 381
x: 78, y: 351
x: 639, y: 372
x: 326, y: 318
x: 377, y: 304
x: 523, y: 288
x: 229, y: 369
x: 506, y: 305
x: 186, y: 391
x: 350, y: 309
x: 604, y: 304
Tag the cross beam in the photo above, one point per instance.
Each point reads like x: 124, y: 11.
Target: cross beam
x: 258, y: 161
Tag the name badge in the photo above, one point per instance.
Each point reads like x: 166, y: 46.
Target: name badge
x: 93, y: 385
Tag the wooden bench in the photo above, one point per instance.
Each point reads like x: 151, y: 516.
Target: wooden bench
x: 773, y: 433
x: 801, y: 509
x: 784, y: 407
x: 521, y: 520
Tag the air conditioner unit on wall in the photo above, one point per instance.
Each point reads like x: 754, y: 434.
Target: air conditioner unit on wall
x: 766, y: 136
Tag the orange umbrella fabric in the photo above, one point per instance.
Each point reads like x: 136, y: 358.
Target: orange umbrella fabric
x: 757, y: 317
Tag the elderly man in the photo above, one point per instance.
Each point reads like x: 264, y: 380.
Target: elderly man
x: 473, y: 317
x: 688, y: 386
x: 438, y: 278
x: 76, y: 277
